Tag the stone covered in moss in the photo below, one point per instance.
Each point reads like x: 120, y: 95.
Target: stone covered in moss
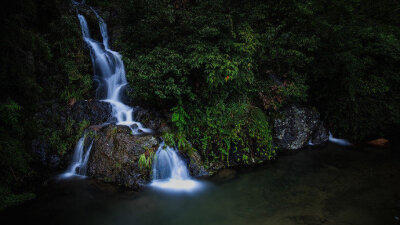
x: 115, y: 156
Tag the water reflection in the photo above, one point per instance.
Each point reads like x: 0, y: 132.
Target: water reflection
x: 333, y: 185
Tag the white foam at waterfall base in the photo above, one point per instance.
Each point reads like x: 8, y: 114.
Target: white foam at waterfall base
x: 170, y: 172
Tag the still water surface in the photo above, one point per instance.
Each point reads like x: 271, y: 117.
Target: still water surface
x: 325, y: 185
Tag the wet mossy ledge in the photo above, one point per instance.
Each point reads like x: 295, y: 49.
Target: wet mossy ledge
x: 117, y: 156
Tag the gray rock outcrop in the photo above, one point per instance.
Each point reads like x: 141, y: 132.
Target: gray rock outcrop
x: 297, y: 126
x: 115, y: 156
x: 94, y: 111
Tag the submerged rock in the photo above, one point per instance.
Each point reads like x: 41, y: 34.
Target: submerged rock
x: 297, y: 127
x: 224, y: 175
x: 115, y: 156
x: 94, y: 111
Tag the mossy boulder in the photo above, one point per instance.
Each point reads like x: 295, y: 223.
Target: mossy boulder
x: 115, y: 156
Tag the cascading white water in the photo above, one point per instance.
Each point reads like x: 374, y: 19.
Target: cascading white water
x: 103, y: 29
x: 79, y: 160
x: 342, y: 142
x: 109, y: 72
x: 170, y: 172
x: 169, y: 165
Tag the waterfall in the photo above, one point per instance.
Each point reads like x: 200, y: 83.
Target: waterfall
x: 170, y: 172
x: 342, y: 142
x: 109, y: 73
x: 78, y: 165
x: 103, y: 29
x: 167, y: 164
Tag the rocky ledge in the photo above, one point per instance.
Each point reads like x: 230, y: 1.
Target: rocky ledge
x: 56, y: 119
x: 93, y: 111
x: 115, y: 156
x: 116, y: 153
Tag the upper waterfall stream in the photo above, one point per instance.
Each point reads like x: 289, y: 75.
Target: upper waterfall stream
x: 109, y: 73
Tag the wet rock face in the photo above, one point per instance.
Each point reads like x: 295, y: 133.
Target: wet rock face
x: 115, y: 155
x: 297, y: 127
x: 196, y: 167
x: 54, y: 118
x: 152, y: 119
x: 94, y: 111
x: 148, y: 118
x: 320, y: 135
x: 41, y: 150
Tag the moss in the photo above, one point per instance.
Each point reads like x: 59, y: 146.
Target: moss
x: 117, y: 166
x: 108, y: 179
x: 114, y: 131
x: 9, y: 199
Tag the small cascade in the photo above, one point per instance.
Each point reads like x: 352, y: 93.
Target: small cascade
x: 78, y: 165
x: 310, y: 142
x: 341, y: 142
x: 170, y: 172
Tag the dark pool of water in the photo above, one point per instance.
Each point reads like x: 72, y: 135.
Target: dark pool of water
x: 328, y: 185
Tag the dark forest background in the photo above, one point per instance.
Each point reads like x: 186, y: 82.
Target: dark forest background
x: 222, y: 68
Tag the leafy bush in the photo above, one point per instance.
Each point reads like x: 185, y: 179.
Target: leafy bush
x: 356, y: 82
x: 146, y: 160
x: 14, y: 166
x: 227, y: 133
x: 341, y: 57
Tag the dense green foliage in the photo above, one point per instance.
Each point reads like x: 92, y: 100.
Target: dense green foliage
x: 223, y: 68
x: 341, y: 57
x: 358, y: 58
